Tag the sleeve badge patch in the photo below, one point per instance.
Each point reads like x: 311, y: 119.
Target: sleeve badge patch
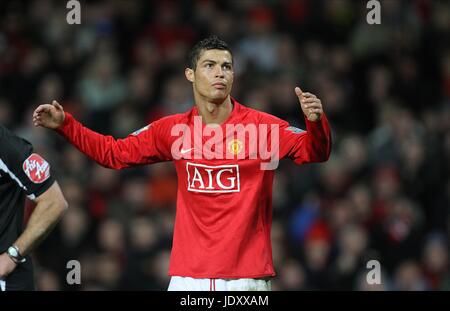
x: 140, y: 130
x: 36, y: 168
x: 294, y: 130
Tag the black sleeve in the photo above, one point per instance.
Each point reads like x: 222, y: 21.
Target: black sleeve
x: 27, y: 169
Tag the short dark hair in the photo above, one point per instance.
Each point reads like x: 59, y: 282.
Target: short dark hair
x: 209, y: 43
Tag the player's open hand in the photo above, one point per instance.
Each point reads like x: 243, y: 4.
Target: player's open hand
x: 311, y: 105
x: 49, y: 115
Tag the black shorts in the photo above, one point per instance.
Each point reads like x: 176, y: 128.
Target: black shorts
x: 21, y: 279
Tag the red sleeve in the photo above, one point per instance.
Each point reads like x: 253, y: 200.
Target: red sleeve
x: 312, y: 145
x: 142, y: 147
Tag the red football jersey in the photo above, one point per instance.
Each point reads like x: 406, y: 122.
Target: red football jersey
x: 224, y: 200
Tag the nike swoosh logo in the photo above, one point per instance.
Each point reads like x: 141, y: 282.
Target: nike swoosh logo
x: 183, y: 151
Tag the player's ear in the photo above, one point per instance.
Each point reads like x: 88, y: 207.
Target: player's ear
x: 189, y: 73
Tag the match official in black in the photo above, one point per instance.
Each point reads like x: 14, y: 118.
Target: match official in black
x: 24, y: 173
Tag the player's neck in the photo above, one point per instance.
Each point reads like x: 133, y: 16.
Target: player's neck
x: 212, y: 112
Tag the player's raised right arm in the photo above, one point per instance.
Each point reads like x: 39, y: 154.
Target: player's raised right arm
x: 105, y: 150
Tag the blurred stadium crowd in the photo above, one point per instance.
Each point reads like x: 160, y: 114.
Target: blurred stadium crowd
x: 384, y: 194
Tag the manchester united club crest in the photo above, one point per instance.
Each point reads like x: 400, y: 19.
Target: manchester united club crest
x: 36, y: 168
x: 235, y: 146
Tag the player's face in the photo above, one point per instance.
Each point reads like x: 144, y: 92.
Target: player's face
x: 213, y: 76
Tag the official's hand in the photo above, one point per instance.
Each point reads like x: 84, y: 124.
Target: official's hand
x: 311, y: 105
x: 7, y: 265
x: 49, y: 115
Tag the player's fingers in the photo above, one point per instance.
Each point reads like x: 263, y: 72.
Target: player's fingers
x: 39, y: 109
x: 310, y: 100
x: 313, y: 105
x: 43, y: 108
x: 57, y: 105
x: 36, y: 113
x: 308, y: 95
x: 37, y: 121
x: 298, y: 91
